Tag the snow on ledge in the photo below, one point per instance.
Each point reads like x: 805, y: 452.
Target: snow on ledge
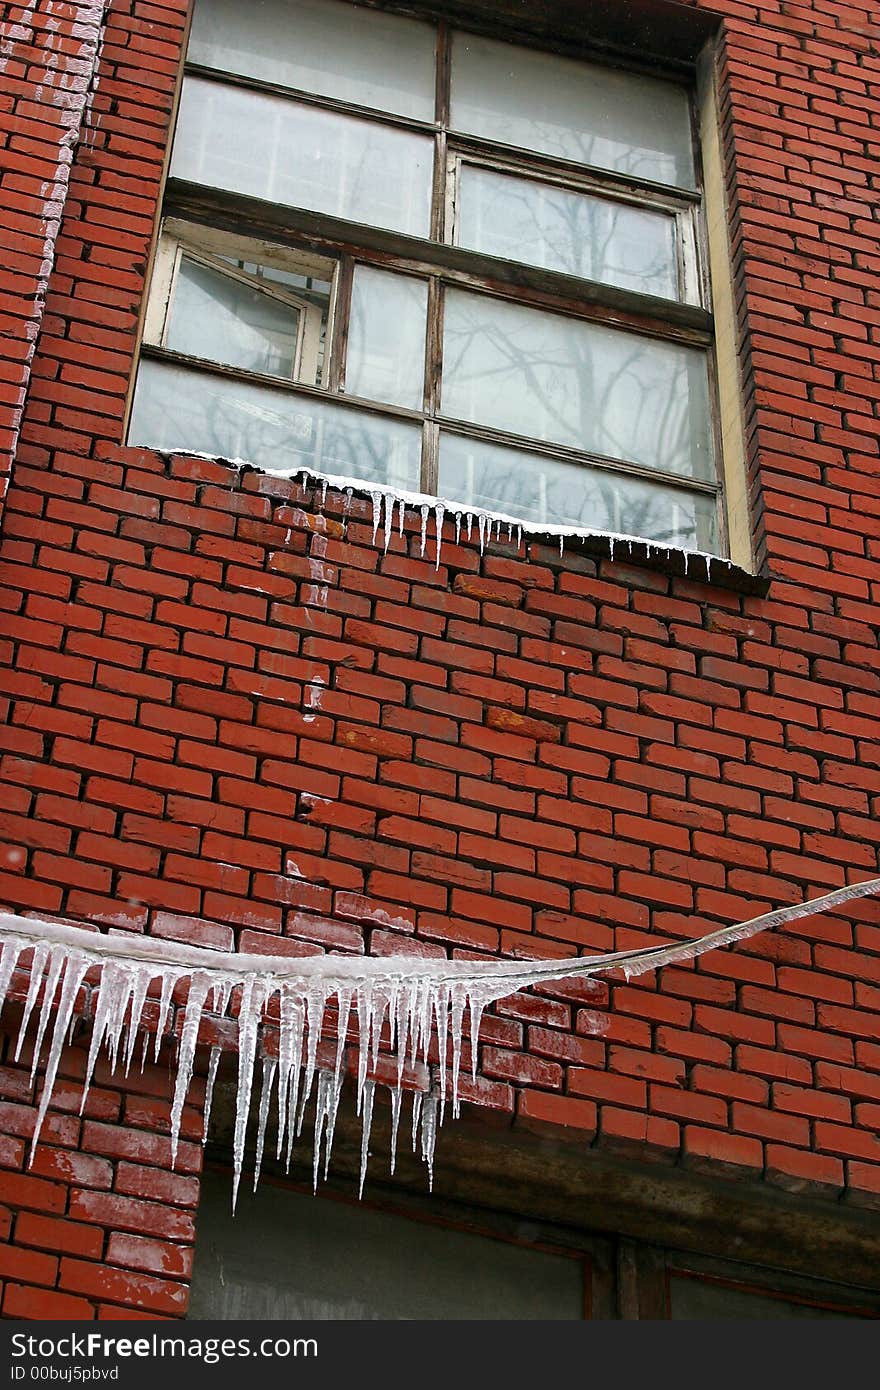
x: 489, y: 524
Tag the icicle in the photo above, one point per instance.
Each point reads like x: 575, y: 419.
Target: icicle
x: 11, y: 953
x: 441, y: 1019
x: 366, y: 1126
x: 253, y: 997
x: 76, y: 968
x: 509, y: 532
x: 139, y: 987
x: 168, y: 982
x: 213, y: 1063
x: 389, y: 520
x: 424, y: 510
x: 429, y: 1135
x: 289, y: 1062
x: 396, y: 1094
x: 457, y: 527
x: 377, y: 512
x: 439, y: 513
x: 561, y: 543
x: 332, y: 1111
x: 56, y: 965
x: 685, y: 557
x: 322, y: 1109
x: 470, y: 524
x: 481, y: 529
x: 198, y: 990
x: 38, y: 970
x: 269, y: 1068
x: 416, y: 1116
x: 315, y: 1000
x: 402, y: 517
x: 324, y: 486
x: 365, y: 1019
x: 708, y: 559
x: 458, y: 998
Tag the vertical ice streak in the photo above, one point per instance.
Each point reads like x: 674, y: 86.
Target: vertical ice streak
x: 424, y: 510
x: 438, y: 525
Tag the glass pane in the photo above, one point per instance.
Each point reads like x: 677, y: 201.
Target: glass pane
x: 622, y: 121
x: 386, y: 338
x: 695, y: 1300
x: 288, y: 1256
x: 543, y: 225
x: 580, y: 384
x: 299, y: 156
x: 548, y: 491
x: 183, y: 409
x: 228, y: 321
x: 377, y: 60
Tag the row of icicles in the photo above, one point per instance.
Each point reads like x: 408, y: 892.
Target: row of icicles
x: 417, y: 1007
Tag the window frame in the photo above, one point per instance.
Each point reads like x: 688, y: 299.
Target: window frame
x: 445, y: 264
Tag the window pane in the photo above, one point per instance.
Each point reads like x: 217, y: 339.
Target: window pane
x: 543, y: 225
x: 548, y: 491
x: 228, y: 321
x: 180, y: 408
x: 696, y: 1300
x: 299, y: 156
x: 377, y: 60
x: 580, y: 384
x: 386, y: 338
x: 287, y: 1256
x: 621, y: 121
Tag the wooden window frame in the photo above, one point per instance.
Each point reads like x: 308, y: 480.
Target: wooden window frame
x: 688, y: 320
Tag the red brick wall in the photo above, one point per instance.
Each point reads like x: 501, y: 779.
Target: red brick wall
x: 231, y: 718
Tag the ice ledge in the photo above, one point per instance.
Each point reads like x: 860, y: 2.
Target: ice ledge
x: 417, y: 1000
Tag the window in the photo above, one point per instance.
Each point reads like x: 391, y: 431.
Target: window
x: 437, y: 262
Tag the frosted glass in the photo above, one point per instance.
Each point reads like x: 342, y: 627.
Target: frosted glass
x: 622, y: 121
x: 225, y: 320
x: 386, y: 338
x: 288, y: 1256
x: 299, y: 156
x: 374, y: 59
x: 557, y: 229
x: 550, y: 491
x: 181, y: 408
x: 544, y: 376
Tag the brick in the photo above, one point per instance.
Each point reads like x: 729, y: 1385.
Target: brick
x: 44, y: 1305
x: 544, y: 1112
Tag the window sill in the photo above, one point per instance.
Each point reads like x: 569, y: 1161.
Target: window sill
x: 437, y: 519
